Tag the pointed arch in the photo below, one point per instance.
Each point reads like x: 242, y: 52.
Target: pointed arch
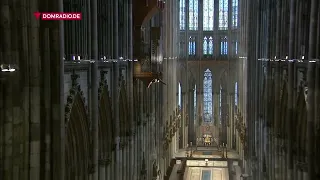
x: 280, y: 126
x: 77, y: 135
x: 301, y: 127
x: 106, y: 125
x: 207, y: 97
x: 125, y: 124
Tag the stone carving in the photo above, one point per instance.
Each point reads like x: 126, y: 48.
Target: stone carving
x: 75, y: 90
x: 241, y: 128
x: 103, y: 83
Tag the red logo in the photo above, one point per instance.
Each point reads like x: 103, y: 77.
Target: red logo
x: 37, y: 15
x: 54, y: 16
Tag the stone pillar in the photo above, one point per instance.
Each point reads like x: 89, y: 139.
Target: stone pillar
x: 34, y: 97
x: 311, y: 91
x: 102, y: 170
x: 289, y: 159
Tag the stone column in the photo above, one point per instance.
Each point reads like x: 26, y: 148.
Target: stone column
x: 311, y: 91
x: 94, y: 90
x: 34, y: 96
x: 289, y: 158
x: 102, y: 170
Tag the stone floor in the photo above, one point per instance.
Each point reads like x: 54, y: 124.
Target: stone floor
x: 196, y: 173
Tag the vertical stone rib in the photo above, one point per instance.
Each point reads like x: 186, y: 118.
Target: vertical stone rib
x: 94, y: 89
x: 7, y: 100
x: 130, y: 82
x: 311, y: 90
x: 34, y: 95
x: 289, y: 116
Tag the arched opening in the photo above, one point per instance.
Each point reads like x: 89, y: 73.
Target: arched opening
x: 195, y: 104
x: 125, y: 124
x: 301, y: 127
x: 179, y: 96
x: 77, y: 141
x: 280, y: 126
x: 106, y: 126
x: 207, y: 97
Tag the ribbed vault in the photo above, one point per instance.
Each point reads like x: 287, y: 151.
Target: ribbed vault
x: 77, y: 140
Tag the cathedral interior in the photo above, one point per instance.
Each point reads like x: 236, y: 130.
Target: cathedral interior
x: 160, y: 90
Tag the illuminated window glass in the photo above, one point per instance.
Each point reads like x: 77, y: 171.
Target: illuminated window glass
x: 182, y: 15
x: 235, y: 14
x: 205, y: 45
x: 207, y: 96
x: 223, y: 14
x: 224, y: 46
x: 193, y: 14
x: 192, y: 46
x: 236, y: 95
x: 208, y: 13
x: 195, y: 102
x: 220, y: 103
x: 179, y: 96
x: 208, y: 46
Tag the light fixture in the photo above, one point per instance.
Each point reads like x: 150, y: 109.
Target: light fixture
x: 8, y: 68
x: 302, y: 57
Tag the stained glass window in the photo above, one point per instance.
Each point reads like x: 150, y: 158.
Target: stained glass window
x: 182, y: 14
x: 224, y: 46
x: 208, y: 13
x: 193, y: 14
x: 179, y: 96
x: 236, y: 47
x: 223, y: 14
x: 207, y: 96
x: 195, y: 102
x: 205, y: 45
x: 192, y: 46
x: 210, y: 50
x: 220, y: 103
x: 208, y: 46
x: 234, y: 14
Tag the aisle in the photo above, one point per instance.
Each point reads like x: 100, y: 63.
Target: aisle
x: 203, y: 173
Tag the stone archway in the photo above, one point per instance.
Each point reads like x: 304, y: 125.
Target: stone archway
x: 280, y: 126
x: 77, y: 136
x: 301, y: 125
x: 125, y: 124
x: 106, y: 125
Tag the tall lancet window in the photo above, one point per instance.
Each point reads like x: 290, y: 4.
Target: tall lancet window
x: 223, y: 14
x: 236, y: 96
x: 195, y: 102
x: 220, y: 103
x: 182, y: 15
x: 235, y: 14
x: 208, y: 12
x: 193, y: 14
x: 192, y: 46
x: 224, y: 46
x: 236, y: 48
x: 208, y: 46
x: 179, y: 96
x: 205, y: 45
x: 207, y: 96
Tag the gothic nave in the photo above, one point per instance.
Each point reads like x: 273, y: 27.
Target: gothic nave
x: 160, y: 90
